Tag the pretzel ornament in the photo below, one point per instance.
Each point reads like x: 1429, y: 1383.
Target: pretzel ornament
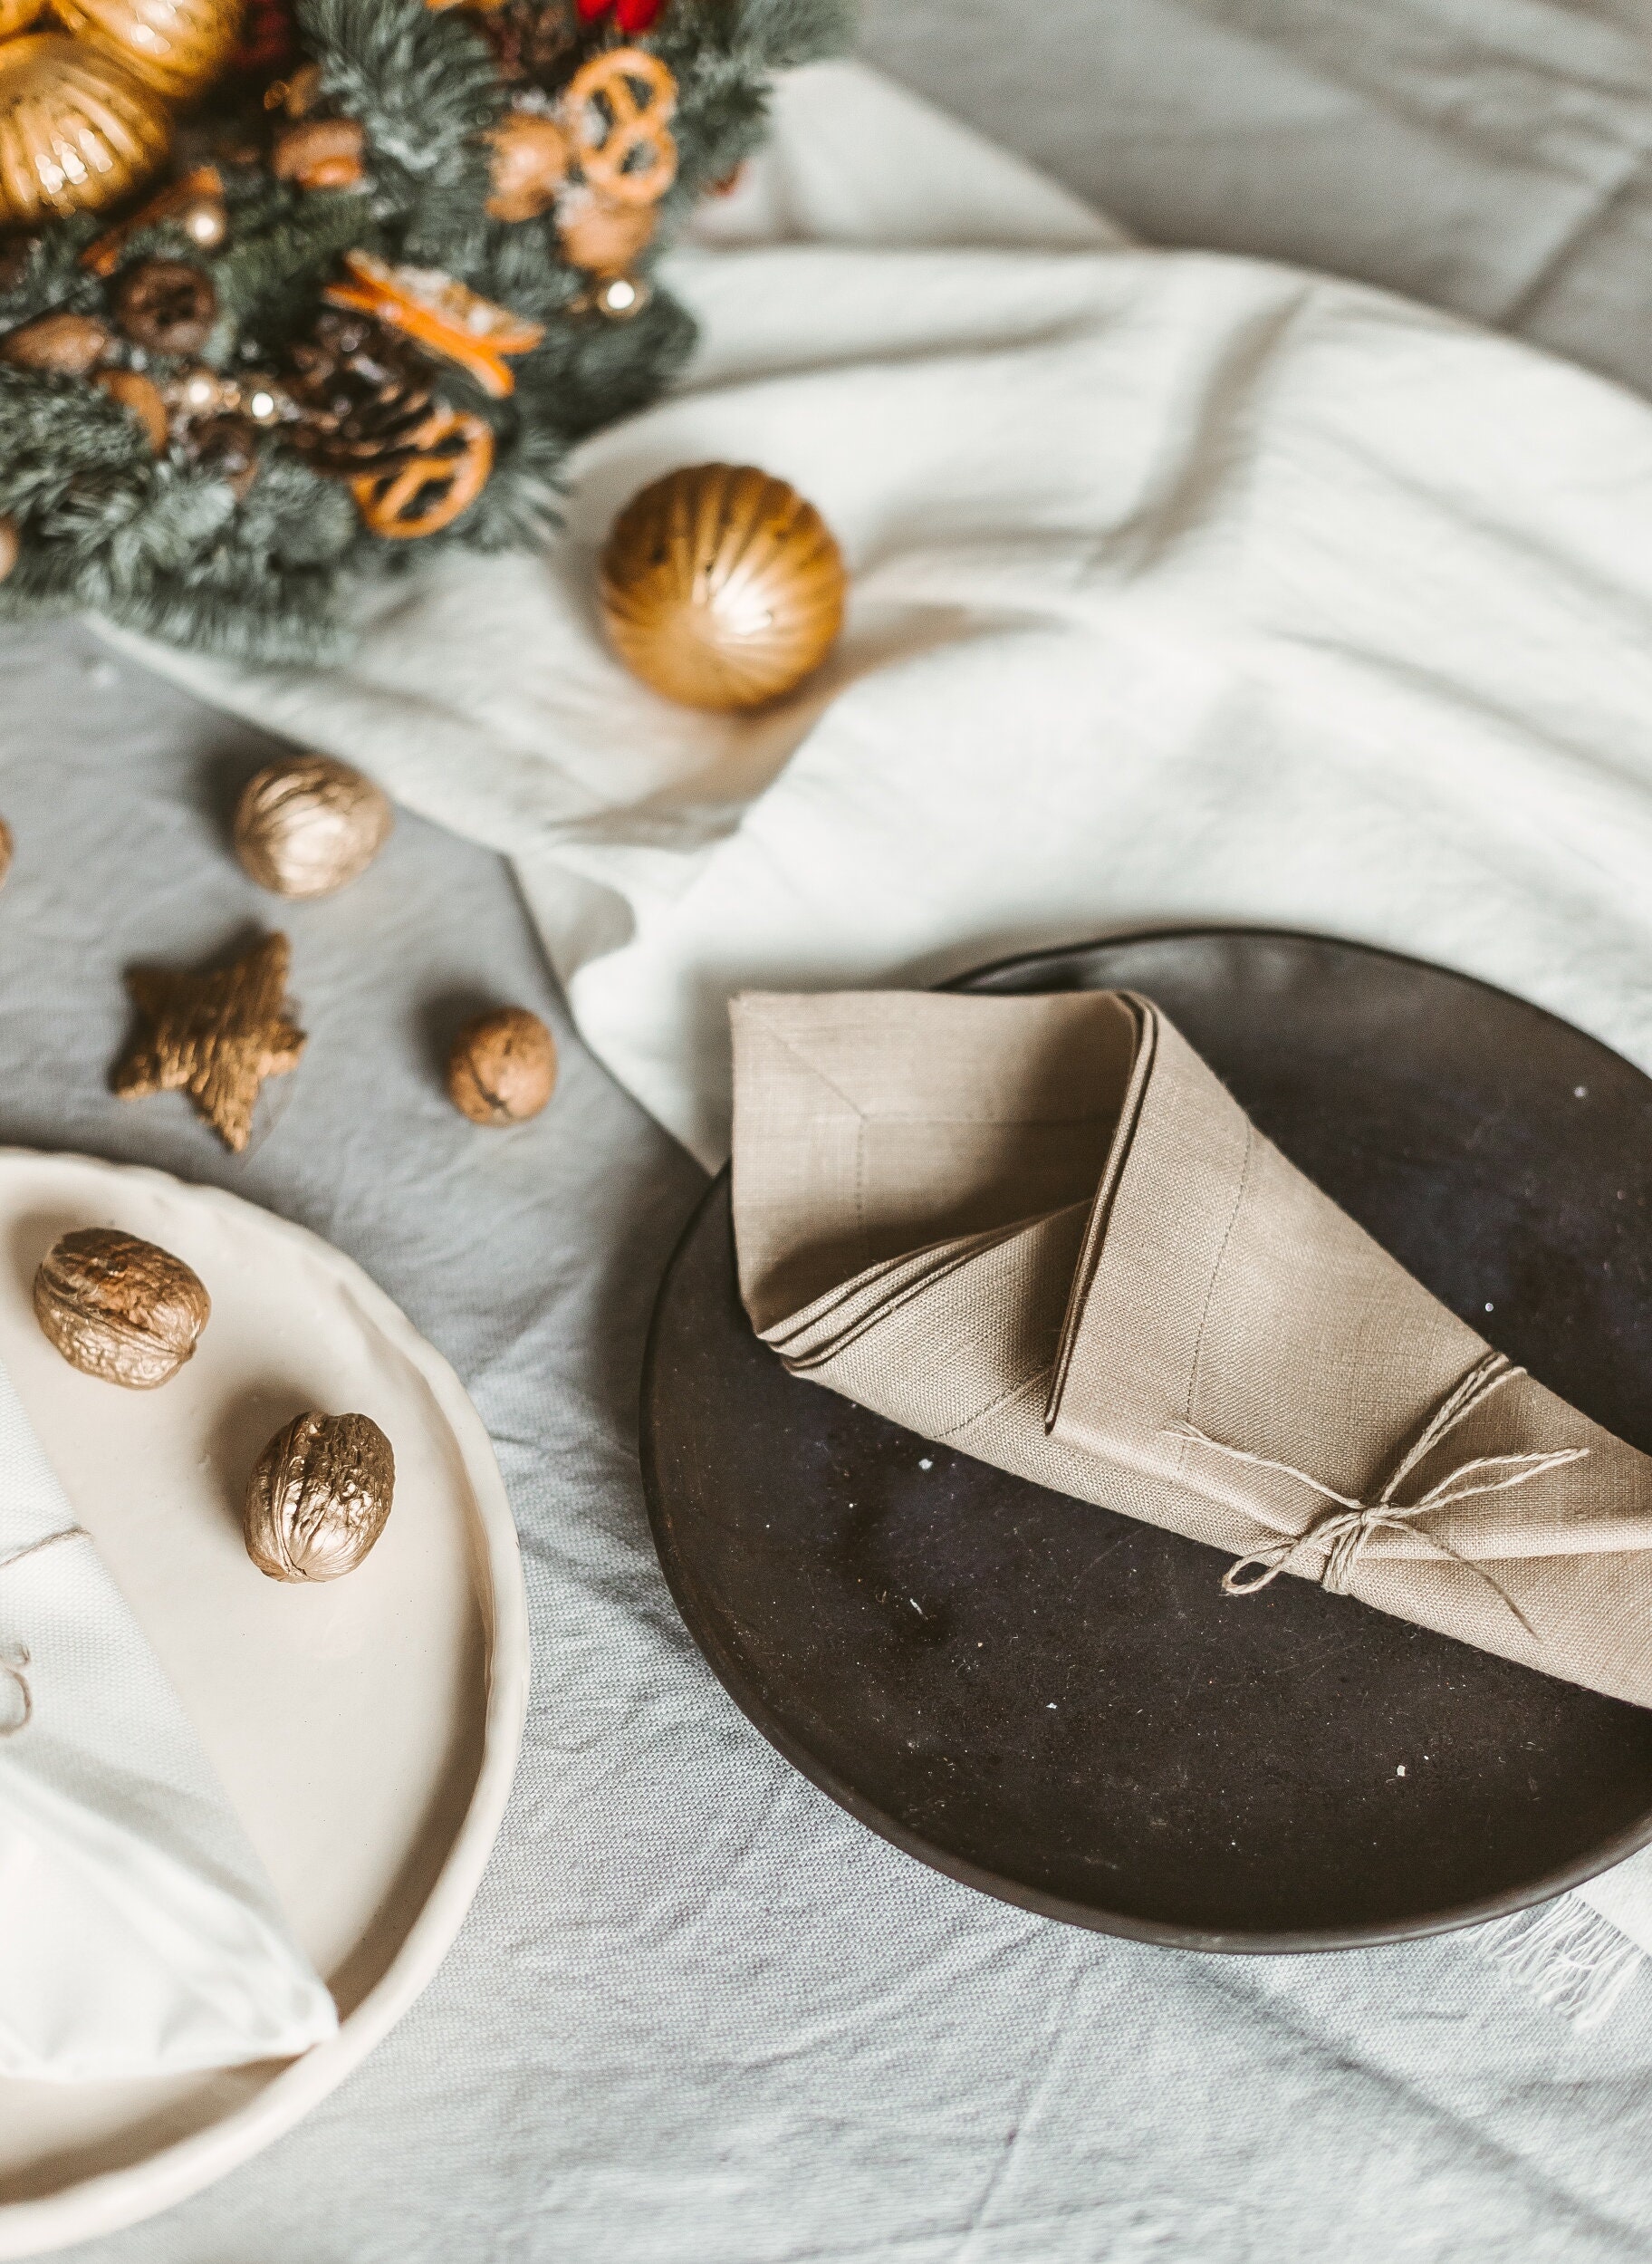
x: 613, y: 125
x: 421, y: 493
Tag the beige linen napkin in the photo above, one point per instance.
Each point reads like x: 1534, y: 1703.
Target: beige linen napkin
x: 1041, y: 1231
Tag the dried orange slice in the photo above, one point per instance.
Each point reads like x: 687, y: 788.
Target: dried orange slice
x: 440, y: 314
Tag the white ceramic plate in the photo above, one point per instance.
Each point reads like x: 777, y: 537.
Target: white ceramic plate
x: 366, y: 1732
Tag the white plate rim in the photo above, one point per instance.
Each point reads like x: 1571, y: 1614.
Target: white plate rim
x: 117, y: 2199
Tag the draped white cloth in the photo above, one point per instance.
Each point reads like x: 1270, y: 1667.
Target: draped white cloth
x: 138, y: 1935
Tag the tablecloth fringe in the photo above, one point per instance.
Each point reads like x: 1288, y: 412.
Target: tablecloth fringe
x: 1566, y: 1955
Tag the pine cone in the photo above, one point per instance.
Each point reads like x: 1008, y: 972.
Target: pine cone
x: 532, y: 44
x: 362, y: 396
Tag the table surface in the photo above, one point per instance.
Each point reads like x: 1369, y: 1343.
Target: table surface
x: 700, y: 2016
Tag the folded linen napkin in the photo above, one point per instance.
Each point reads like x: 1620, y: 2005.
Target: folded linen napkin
x: 1042, y: 1230
x: 138, y: 1933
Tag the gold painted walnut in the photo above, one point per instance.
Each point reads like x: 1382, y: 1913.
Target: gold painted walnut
x: 305, y: 827
x: 119, y: 1308
x: 320, y: 1495
x: 721, y: 587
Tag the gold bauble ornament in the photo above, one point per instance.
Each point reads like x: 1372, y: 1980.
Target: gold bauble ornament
x: 722, y: 587
x: 177, y: 46
x: 11, y: 550
x: 76, y: 131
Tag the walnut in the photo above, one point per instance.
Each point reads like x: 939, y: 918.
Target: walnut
x: 320, y: 153
x: 501, y: 1067
x: 140, y: 397
x: 320, y: 1495
x: 529, y: 163
x: 119, y: 1308
x: 59, y: 345
x: 605, y: 239
x: 305, y: 827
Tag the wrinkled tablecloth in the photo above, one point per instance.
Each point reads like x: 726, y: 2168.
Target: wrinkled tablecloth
x: 698, y: 2016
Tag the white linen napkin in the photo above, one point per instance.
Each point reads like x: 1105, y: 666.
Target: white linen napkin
x: 138, y: 1933
x: 1187, y: 587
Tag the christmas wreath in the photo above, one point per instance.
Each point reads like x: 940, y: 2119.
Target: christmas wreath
x: 358, y: 303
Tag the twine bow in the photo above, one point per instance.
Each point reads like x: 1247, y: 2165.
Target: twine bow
x: 14, y: 1659
x: 1346, y: 1527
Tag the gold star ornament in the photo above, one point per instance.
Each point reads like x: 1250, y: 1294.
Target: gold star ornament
x: 216, y: 1035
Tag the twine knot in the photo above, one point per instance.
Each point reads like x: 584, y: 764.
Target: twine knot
x: 1346, y: 1528
x: 14, y: 1658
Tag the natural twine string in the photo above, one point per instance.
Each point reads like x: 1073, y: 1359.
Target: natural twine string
x: 13, y: 1664
x: 1344, y: 1531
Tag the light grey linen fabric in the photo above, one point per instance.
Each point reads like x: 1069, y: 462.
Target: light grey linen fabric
x: 698, y: 2016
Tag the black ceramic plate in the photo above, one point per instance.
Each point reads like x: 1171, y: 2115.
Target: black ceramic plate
x: 1059, y: 1705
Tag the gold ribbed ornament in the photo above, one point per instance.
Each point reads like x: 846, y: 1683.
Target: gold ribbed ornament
x: 722, y: 587
x: 76, y: 131
x: 177, y: 46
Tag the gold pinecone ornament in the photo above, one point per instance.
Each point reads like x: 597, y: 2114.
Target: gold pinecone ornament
x: 722, y: 587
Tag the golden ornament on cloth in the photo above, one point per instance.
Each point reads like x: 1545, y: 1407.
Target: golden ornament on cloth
x: 76, y: 130
x: 439, y: 314
x: 722, y: 587
x: 177, y: 46
x: 216, y: 1035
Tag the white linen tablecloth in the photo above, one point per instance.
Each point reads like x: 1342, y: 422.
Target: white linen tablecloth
x: 699, y: 2017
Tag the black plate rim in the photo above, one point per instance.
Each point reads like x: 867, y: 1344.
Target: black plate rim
x: 1165, y: 1934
